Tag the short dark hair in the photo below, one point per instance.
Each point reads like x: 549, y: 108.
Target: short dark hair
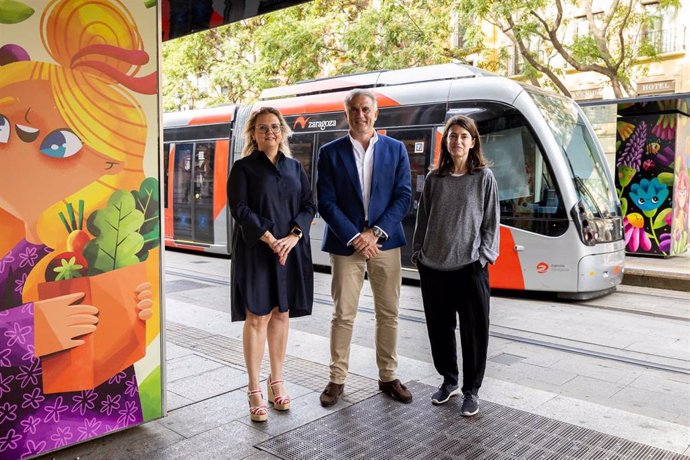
x: 475, y: 157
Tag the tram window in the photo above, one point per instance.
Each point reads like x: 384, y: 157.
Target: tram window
x: 182, y: 179
x: 302, y: 147
x: 418, y: 145
x: 166, y: 173
x: 182, y: 191
x: 204, y: 157
x: 528, y: 194
x: 325, y: 138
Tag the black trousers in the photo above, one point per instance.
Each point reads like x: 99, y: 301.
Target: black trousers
x: 447, y: 295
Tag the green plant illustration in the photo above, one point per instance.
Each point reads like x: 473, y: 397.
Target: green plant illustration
x: 75, y: 222
x: 13, y: 12
x: 117, y: 239
x: 147, y: 200
x: 68, y: 270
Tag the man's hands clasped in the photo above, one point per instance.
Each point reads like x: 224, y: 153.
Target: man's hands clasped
x: 367, y: 244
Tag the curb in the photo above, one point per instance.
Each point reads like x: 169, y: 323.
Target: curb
x: 657, y: 279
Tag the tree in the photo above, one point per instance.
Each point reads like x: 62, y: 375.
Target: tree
x: 550, y: 42
x: 234, y: 63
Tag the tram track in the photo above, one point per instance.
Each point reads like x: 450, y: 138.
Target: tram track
x: 552, y: 342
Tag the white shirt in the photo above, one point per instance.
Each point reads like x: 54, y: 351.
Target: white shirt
x: 364, y: 159
x: 365, y: 168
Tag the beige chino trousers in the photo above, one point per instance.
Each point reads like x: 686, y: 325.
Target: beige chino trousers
x: 385, y: 276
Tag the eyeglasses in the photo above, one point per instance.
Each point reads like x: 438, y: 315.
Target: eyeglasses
x: 464, y: 137
x: 274, y: 128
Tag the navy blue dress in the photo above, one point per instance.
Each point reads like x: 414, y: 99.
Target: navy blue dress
x: 263, y: 196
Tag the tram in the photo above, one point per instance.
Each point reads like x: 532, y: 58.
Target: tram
x: 561, y: 223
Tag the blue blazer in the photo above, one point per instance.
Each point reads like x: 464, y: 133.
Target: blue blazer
x: 339, y: 193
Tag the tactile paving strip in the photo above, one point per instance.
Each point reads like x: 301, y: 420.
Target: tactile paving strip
x: 379, y: 428
x: 308, y: 374
x: 183, y: 285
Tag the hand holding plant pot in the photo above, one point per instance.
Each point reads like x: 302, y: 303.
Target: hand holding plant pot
x: 115, y: 284
x: 59, y: 323
x: 144, y: 302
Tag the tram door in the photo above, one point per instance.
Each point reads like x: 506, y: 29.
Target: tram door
x: 193, y: 187
x: 418, y: 145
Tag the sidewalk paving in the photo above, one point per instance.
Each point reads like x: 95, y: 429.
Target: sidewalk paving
x: 583, y: 396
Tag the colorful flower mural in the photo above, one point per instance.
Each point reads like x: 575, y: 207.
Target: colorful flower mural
x: 635, y: 236
x: 652, y: 177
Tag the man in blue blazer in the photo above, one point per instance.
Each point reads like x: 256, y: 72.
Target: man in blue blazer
x: 364, y: 192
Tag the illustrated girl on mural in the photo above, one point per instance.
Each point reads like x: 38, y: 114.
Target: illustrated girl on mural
x: 72, y: 137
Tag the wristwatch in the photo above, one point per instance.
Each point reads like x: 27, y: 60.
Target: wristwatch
x: 378, y: 233
x: 297, y: 232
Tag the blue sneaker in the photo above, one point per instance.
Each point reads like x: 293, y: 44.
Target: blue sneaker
x: 470, y: 406
x: 444, y: 393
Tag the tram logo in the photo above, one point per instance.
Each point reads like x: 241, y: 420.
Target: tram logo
x: 321, y: 124
x: 542, y: 267
x: 301, y: 122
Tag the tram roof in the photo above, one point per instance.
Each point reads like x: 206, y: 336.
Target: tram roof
x: 376, y: 79
x: 208, y: 116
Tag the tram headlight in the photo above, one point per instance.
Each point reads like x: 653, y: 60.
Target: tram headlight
x: 594, y: 229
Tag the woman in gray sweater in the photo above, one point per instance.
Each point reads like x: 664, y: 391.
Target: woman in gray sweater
x: 455, y: 239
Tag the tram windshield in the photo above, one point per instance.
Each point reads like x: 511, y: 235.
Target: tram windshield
x: 581, y: 152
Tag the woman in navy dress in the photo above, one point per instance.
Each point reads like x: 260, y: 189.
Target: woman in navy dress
x: 272, y: 275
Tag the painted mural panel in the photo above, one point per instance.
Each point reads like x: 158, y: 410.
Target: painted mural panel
x: 681, y: 200
x: 79, y: 222
x: 651, y: 177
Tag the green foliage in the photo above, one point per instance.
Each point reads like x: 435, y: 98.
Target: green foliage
x: 147, y: 201
x: 13, y: 12
x: 666, y: 178
x: 68, y: 269
x: 611, y: 44
x: 75, y: 222
x: 150, y: 395
x: 117, y: 240
x: 311, y: 40
x: 660, y: 219
x: 584, y: 49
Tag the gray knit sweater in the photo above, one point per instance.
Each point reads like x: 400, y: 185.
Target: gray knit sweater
x: 457, y: 221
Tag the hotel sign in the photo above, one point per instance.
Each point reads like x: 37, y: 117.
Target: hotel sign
x: 656, y: 87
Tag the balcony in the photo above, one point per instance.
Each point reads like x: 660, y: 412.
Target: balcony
x: 668, y: 40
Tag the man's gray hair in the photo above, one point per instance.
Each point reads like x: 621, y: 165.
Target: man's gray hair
x: 359, y: 92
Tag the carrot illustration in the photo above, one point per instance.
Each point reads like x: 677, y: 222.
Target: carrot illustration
x: 77, y: 237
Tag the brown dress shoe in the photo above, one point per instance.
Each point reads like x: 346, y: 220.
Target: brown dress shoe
x: 331, y: 393
x: 396, y: 390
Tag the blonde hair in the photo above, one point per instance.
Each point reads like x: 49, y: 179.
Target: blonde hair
x: 98, y: 53
x: 250, y: 144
